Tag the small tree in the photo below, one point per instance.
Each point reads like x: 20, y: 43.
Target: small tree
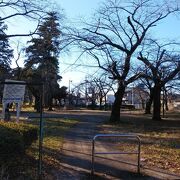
x: 61, y: 94
x: 103, y: 86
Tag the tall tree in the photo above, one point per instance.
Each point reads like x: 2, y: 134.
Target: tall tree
x: 163, y: 67
x: 116, y: 33
x: 6, y: 53
x: 42, y: 54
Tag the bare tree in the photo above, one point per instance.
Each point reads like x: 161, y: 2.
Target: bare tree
x: 148, y: 83
x: 163, y: 67
x: 103, y: 86
x: 30, y: 9
x: 115, y: 35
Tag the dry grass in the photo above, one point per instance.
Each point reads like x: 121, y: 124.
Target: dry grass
x: 160, y: 139
x: 54, y: 129
x: 27, y: 167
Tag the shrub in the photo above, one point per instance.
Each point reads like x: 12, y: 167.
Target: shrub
x: 15, y: 138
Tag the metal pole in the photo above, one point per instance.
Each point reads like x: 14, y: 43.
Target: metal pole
x: 92, y: 168
x: 163, y: 103
x: 40, y: 136
x: 69, y: 90
x: 139, y: 155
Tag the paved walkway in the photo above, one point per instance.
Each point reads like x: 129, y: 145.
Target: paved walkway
x: 76, y: 155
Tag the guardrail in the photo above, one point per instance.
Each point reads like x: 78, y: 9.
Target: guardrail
x: 121, y: 136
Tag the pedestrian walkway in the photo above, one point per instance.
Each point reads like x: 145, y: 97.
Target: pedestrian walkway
x: 76, y: 156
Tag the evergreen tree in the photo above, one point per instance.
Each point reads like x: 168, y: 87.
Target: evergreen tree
x: 6, y: 53
x: 43, y: 54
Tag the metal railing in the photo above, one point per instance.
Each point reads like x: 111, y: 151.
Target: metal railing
x: 121, y: 136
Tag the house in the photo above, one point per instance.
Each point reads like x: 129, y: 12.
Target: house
x: 174, y: 101
x: 136, y: 96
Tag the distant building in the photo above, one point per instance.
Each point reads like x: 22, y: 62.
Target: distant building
x: 174, y: 101
x: 110, y: 99
x: 136, y: 96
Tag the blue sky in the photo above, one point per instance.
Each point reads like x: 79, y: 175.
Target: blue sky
x: 74, y: 10
x: 77, y: 8
x: 168, y: 28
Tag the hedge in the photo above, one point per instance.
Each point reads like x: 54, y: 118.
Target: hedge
x: 15, y: 138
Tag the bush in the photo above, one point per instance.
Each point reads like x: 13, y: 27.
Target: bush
x: 15, y: 138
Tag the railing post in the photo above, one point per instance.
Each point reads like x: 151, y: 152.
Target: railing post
x: 139, y: 154
x: 116, y: 135
x: 92, y: 168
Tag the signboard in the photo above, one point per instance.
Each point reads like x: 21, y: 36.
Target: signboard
x: 13, y: 92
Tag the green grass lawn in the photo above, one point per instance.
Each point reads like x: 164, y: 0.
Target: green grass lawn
x: 160, y: 139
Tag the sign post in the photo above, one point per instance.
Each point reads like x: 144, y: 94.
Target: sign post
x: 12, y: 82
x: 13, y: 93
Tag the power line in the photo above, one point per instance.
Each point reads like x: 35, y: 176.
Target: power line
x: 74, y: 62
x: 83, y: 65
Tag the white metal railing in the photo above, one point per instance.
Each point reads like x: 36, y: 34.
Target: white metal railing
x: 121, y: 136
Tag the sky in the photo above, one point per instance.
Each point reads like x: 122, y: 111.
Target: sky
x: 73, y: 10
x: 85, y: 8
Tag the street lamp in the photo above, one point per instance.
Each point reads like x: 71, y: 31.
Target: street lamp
x: 70, y: 81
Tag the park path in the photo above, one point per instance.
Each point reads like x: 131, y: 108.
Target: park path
x: 76, y: 154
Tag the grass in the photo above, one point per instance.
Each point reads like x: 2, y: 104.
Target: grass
x: 160, y: 139
x: 54, y: 130
x: 27, y: 166
x: 160, y: 142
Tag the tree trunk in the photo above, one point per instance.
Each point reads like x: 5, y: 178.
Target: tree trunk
x: 105, y: 103
x: 143, y: 104
x: 30, y: 98
x: 100, y: 103
x: 149, y: 102
x: 50, y: 102
x: 166, y: 99
x: 37, y: 104
x: 157, y: 103
x: 115, y: 113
